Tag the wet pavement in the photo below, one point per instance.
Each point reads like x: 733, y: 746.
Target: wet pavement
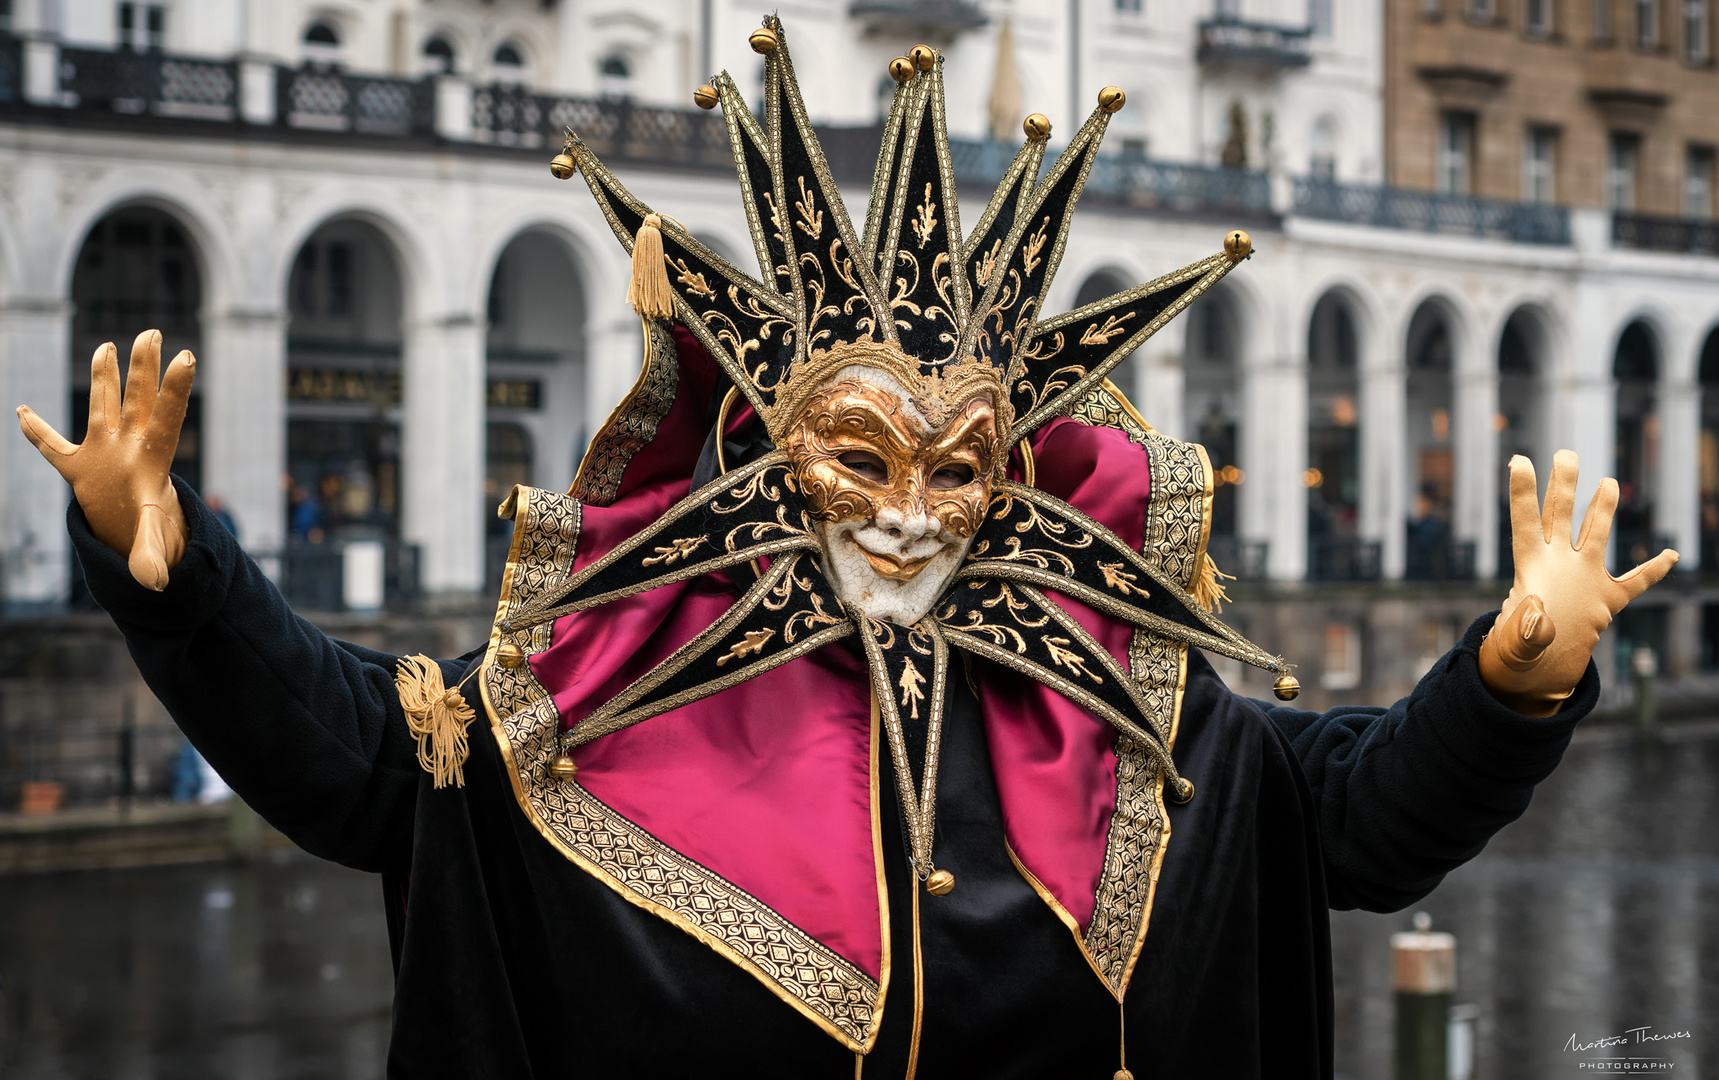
x: 1597, y: 913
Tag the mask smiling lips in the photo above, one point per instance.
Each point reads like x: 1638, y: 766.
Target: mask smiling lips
x: 897, y: 501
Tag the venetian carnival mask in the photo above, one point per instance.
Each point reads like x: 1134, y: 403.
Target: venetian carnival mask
x: 897, y: 499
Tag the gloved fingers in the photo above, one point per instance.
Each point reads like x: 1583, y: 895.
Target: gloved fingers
x: 141, y: 382
x: 161, y: 437
x: 104, y: 390
x: 1560, y: 509
x: 149, y: 547
x: 1524, y: 507
x: 1522, y: 637
x: 1597, y: 522
x: 1648, y: 574
x: 44, y: 438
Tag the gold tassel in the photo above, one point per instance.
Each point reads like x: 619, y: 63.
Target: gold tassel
x: 649, y: 292
x: 1208, y: 591
x: 437, y: 718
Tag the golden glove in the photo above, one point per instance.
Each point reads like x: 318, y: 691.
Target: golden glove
x: 1563, y: 597
x: 119, y: 472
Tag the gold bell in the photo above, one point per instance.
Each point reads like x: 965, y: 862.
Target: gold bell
x: 923, y: 56
x: 706, y: 97
x: 563, y: 167
x: 562, y: 768
x: 940, y: 883
x: 901, y: 69
x: 763, y: 41
x: 509, y: 655
x: 1183, y: 792
x: 1287, y: 687
x: 1123, y: 1074
x: 1237, y: 244
x: 1037, y: 126
x: 1111, y: 99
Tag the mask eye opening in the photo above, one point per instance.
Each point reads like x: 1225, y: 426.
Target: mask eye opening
x: 865, y: 465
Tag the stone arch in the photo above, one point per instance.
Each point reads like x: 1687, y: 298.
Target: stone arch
x: 1638, y: 360
x: 1707, y: 468
x: 1336, y: 356
x: 1215, y: 334
x: 535, y: 356
x: 1433, y: 354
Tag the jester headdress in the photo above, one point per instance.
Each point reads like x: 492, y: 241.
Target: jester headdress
x: 668, y: 675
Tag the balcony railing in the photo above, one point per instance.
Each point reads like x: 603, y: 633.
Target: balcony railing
x: 335, y: 101
x: 1438, y: 560
x: 1343, y: 558
x: 1232, y: 41
x: 1652, y: 232
x: 1163, y: 185
x: 614, y: 128
x: 946, y: 15
x: 1426, y: 211
x: 149, y: 83
x: 1244, y: 560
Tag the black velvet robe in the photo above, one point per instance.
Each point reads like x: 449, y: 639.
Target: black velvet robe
x: 512, y: 962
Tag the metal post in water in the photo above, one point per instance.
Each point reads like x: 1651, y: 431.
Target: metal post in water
x: 1644, y: 671
x: 1423, y: 974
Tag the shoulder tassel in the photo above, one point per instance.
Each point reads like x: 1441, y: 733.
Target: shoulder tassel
x: 437, y: 718
x: 1208, y: 590
x: 649, y: 292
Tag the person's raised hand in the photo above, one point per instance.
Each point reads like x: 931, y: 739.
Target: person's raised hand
x: 1563, y: 596
x: 119, y: 472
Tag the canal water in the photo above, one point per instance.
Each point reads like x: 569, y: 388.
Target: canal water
x: 1596, y: 914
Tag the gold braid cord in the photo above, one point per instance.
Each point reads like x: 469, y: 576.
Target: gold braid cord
x: 437, y: 718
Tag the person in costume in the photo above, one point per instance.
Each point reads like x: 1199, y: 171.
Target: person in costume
x: 849, y: 717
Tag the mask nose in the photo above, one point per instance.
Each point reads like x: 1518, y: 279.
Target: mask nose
x: 908, y: 524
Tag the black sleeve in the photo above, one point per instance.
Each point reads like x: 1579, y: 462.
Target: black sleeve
x: 1406, y: 794
x: 308, y: 730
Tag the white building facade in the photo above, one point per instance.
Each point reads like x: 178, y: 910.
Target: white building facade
x: 344, y: 209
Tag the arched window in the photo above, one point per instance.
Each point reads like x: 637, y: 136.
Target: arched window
x: 614, y: 76
x: 1322, y: 149
x: 1635, y: 366
x: 439, y: 56
x: 322, y: 43
x: 508, y: 63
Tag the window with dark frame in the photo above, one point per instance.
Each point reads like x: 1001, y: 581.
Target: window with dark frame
x: 1698, y: 183
x: 1539, y: 165
x: 1602, y: 20
x: 1622, y: 153
x: 1456, y: 153
x: 141, y: 27
x: 1697, y: 31
x: 1646, y: 24
x: 1537, y: 18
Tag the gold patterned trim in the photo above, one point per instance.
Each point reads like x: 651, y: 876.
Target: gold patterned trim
x: 632, y: 424
x: 823, y: 986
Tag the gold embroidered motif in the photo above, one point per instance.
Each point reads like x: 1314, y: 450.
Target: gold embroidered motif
x: 927, y: 219
x: 1064, y: 657
x: 694, y: 283
x: 911, y: 694
x: 811, y: 218
x: 1101, y: 335
x: 1120, y: 580
x: 676, y: 550
x: 751, y: 642
x: 1034, y: 244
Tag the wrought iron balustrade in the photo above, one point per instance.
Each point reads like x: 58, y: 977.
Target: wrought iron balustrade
x: 151, y: 83
x: 613, y: 128
x: 1426, y: 211
x: 1343, y: 558
x: 1438, y: 560
x: 1231, y: 41
x: 947, y: 15
x: 11, y: 69
x: 321, y: 100
x: 1163, y: 185
x: 1653, y: 232
x: 1244, y: 560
